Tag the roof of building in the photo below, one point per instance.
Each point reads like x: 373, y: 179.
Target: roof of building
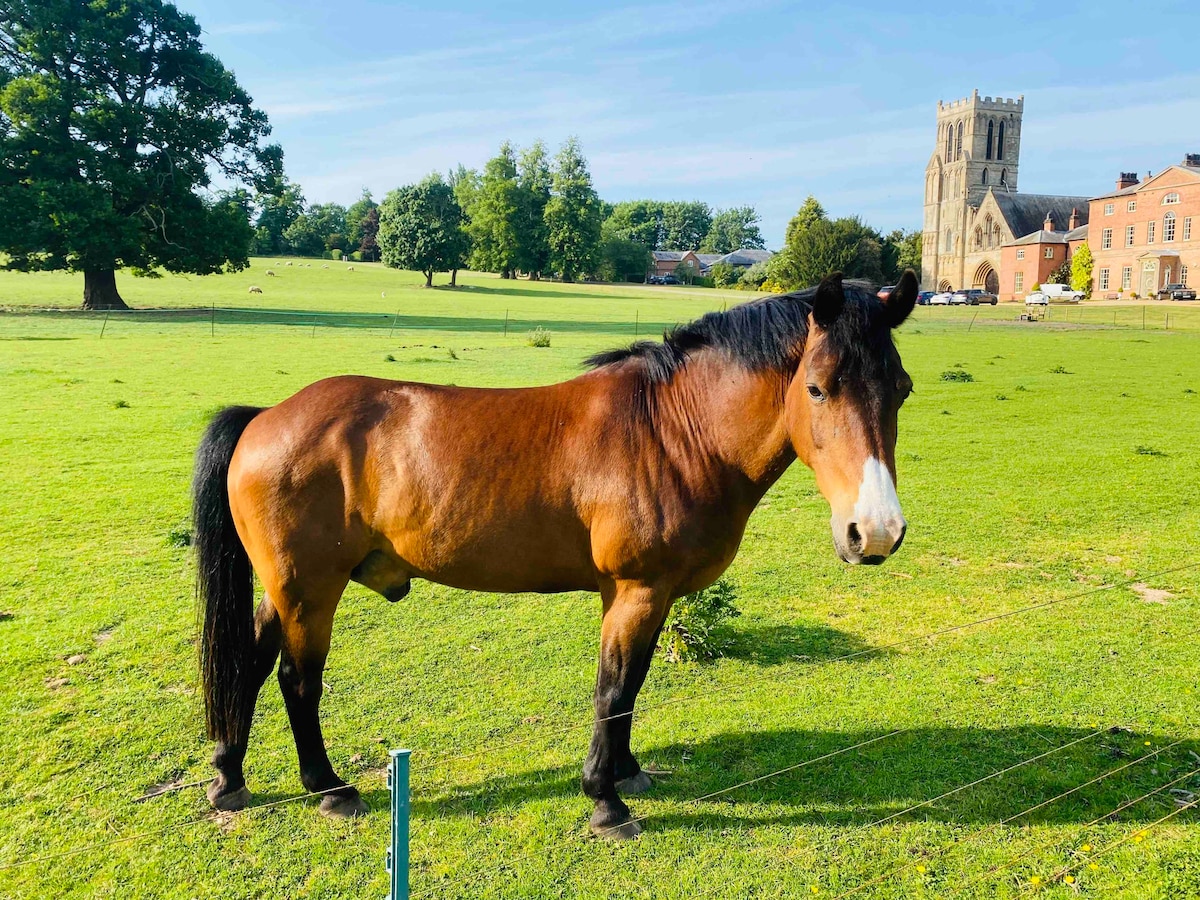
x: 1040, y: 237
x: 1134, y: 188
x: 1078, y: 234
x: 745, y: 257
x: 707, y: 259
x: 670, y: 255
x: 1026, y: 213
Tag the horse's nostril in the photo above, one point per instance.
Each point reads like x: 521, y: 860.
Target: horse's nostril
x: 900, y: 540
x: 854, y: 537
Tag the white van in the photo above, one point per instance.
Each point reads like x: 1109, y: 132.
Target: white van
x: 1055, y: 293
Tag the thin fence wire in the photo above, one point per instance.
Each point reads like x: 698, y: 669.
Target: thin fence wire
x: 374, y: 775
x: 1046, y: 845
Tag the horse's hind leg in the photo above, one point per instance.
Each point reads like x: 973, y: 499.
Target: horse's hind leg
x: 633, y: 616
x: 307, y: 624
x: 228, y: 790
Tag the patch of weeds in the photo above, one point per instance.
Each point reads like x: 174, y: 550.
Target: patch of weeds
x: 117, y: 381
x: 1188, y: 391
x: 120, y: 404
x: 945, y: 412
x: 1021, y: 387
x: 1060, y: 370
x: 538, y: 337
x: 180, y: 536
x: 915, y: 457
x: 1143, y: 450
x: 689, y: 634
x: 421, y: 359
x: 1123, y: 394
x: 957, y: 374
x: 1001, y: 397
x: 451, y: 353
x: 389, y: 358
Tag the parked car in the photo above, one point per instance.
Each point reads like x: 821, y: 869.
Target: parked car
x: 923, y: 297
x: 977, y: 297
x: 959, y: 298
x: 1176, y: 292
x: 942, y: 299
x: 1061, y: 293
x: 669, y: 279
x: 1037, y: 298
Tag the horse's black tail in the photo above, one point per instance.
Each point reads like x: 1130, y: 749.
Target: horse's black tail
x: 225, y: 583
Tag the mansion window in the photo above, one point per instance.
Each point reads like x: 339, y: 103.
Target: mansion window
x: 1049, y: 253
x: 1106, y: 239
x: 1169, y: 227
x: 1104, y: 279
x: 1131, y: 206
x: 1183, y: 275
x: 1126, y: 277
x: 1187, y: 228
x: 1170, y: 198
x: 1150, y: 232
x: 1021, y: 254
x: 1018, y: 281
x: 1108, y: 209
x: 1128, y: 235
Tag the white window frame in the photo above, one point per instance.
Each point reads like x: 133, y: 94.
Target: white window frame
x: 1129, y: 234
x: 1021, y: 253
x: 1170, y: 199
x: 1187, y: 228
x: 1018, y: 282
x: 1104, y: 279
x: 1183, y: 275
x: 1109, y: 208
x: 1106, y: 239
x: 1168, y: 228
x: 1049, y: 253
x: 1126, y: 277
x: 1150, y: 232
x: 1131, y: 206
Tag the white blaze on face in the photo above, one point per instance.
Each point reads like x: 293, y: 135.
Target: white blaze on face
x: 877, y: 510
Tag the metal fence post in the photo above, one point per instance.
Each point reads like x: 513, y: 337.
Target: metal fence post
x: 397, y: 855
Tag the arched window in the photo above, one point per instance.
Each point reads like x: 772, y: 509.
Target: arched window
x: 949, y: 241
x: 1000, y: 141
x: 949, y: 129
x: 995, y: 235
x: 1003, y: 175
x: 991, y: 125
x: 1170, y: 199
x: 1169, y: 227
x: 941, y: 179
x: 958, y: 142
x: 978, y: 239
x: 983, y: 178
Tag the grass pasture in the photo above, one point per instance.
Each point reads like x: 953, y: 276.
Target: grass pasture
x: 1065, y: 462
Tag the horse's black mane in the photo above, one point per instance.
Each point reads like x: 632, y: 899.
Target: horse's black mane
x: 767, y: 333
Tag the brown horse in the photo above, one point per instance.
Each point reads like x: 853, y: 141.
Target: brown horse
x: 635, y: 479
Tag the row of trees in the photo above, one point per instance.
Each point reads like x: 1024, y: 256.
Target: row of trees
x: 284, y: 223
x: 675, y: 225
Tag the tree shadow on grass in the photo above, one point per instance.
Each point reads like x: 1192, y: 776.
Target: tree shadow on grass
x: 770, y: 645
x: 862, y: 786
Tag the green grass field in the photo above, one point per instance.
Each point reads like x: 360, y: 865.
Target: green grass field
x: 1069, y: 462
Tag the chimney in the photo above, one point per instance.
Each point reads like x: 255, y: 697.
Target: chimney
x: 1192, y: 160
x: 1048, y: 225
x: 1127, y: 179
x: 1073, y: 223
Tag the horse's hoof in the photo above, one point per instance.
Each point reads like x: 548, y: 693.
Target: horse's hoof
x: 636, y: 784
x: 337, y: 806
x: 225, y: 800
x: 607, y: 829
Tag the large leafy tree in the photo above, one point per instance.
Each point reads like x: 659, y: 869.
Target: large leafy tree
x: 279, y: 206
x: 420, y: 227
x: 354, y: 218
x: 113, y: 121
x: 685, y: 224
x: 1081, y: 270
x: 636, y: 220
x: 733, y: 229
x: 368, y: 230
x: 494, y: 216
x: 322, y: 227
x: 572, y: 214
x: 816, y: 245
x: 533, y: 237
x: 901, y: 251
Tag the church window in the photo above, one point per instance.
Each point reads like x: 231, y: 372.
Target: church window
x: 949, y: 241
x: 1170, y: 198
x: 1169, y: 227
x: 949, y: 142
x: 958, y: 142
x: 983, y: 178
x: 991, y: 126
x: 1106, y: 239
x: 1004, y: 177
x: 1000, y: 142
x: 978, y: 239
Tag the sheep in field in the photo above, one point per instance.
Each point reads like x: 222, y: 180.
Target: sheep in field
x: 349, y: 268
x: 255, y: 289
x: 270, y: 273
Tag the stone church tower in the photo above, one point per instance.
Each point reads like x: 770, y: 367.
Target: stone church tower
x: 978, y: 151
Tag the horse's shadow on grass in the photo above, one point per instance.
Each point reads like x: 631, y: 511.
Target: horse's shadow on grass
x: 866, y: 785
x: 770, y: 645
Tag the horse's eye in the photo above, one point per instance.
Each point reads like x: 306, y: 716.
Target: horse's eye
x: 816, y: 393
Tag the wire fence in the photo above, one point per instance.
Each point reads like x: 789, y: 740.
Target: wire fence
x: 511, y: 863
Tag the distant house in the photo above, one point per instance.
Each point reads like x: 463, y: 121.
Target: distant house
x: 667, y: 261
x: 743, y: 259
x: 707, y: 260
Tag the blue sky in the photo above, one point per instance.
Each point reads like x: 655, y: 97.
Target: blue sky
x: 756, y: 102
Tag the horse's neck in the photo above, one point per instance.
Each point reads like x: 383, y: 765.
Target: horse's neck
x: 717, y: 409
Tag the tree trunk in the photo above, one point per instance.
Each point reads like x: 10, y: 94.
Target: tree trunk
x: 454, y: 278
x: 535, y: 276
x: 100, y: 291
x: 429, y: 278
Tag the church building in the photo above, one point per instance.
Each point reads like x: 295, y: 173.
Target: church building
x: 972, y: 205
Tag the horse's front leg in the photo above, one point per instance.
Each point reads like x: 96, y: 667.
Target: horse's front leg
x: 633, y: 616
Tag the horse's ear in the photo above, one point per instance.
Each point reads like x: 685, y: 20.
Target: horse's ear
x: 829, y: 300
x: 902, y: 299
